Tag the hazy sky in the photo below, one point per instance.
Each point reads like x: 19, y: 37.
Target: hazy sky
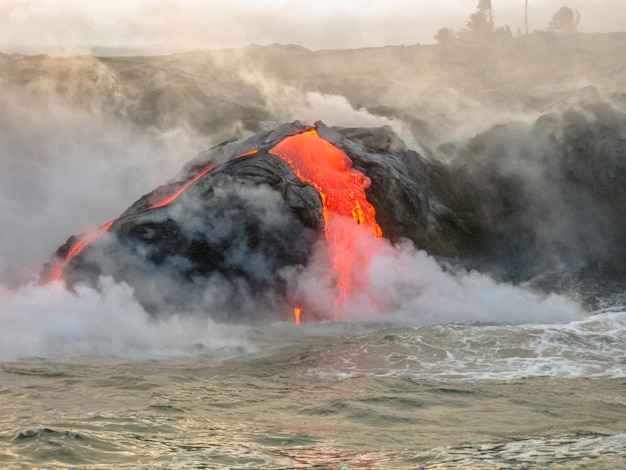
x: 314, y: 24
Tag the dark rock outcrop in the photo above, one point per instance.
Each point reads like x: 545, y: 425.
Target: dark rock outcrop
x: 539, y: 204
x: 546, y: 201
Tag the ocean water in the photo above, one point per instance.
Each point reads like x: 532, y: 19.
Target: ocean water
x: 98, y: 385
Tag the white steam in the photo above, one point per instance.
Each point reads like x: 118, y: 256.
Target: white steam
x: 290, y: 103
x: 38, y: 321
x: 401, y: 284
x: 336, y: 109
x: 65, y: 169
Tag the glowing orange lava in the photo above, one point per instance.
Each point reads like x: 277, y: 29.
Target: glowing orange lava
x: 170, y: 199
x: 342, y: 190
x: 296, y: 314
x: 57, y: 271
x: 247, y: 154
x: 328, y: 169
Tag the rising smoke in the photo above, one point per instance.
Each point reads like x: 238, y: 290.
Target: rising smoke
x: 407, y: 286
x: 49, y: 320
x: 86, y: 137
x: 64, y: 165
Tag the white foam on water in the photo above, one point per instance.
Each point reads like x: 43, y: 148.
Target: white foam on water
x: 593, y: 348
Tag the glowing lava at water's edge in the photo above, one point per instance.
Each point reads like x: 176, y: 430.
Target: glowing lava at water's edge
x: 314, y: 161
x: 342, y: 189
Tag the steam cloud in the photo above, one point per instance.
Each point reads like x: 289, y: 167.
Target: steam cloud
x: 38, y: 321
x: 64, y: 169
x: 407, y: 286
x: 67, y: 166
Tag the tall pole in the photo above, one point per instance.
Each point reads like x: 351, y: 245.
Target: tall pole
x: 526, y: 17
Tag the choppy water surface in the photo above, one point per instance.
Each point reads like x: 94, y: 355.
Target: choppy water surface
x: 330, y: 395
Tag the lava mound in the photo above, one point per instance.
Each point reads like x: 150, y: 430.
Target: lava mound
x: 243, y: 211
x: 540, y: 205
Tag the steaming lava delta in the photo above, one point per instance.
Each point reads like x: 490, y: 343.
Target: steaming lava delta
x: 225, y: 232
x: 228, y: 237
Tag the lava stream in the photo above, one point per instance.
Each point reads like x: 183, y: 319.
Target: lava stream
x: 342, y: 190
x: 83, y: 241
x: 297, y: 311
x: 170, y: 199
x: 56, y: 272
x: 328, y: 169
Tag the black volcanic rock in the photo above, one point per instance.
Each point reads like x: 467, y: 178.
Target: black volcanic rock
x: 547, y: 201
x: 537, y: 204
x: 230, y: 233
x: 227, y: 236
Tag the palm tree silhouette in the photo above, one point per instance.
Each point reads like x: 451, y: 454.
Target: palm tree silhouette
x: 484, y: 8
x: 565, y: 21
x: 526, y: 16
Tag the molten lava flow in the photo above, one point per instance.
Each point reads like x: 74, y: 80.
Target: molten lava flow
x: 342, y: 190
x: 57, y: 271
x: 171, y: 198
x: 247, y: 154
x: 317, y: 162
